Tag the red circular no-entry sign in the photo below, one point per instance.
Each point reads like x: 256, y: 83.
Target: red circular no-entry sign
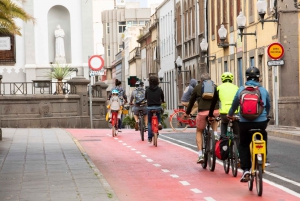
x: 96, y: 62
x: 275, y: 51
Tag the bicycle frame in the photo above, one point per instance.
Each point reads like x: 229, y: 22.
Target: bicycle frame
x: 258, y: 150
x: 189, y: 121
x: 154, y: 123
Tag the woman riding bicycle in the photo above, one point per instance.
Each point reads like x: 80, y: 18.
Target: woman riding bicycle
x: 261, y: 122
x: 155, y: 97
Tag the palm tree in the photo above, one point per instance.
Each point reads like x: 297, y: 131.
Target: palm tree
x: 10, y: 11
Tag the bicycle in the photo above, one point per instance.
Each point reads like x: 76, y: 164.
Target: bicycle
x: 233, y: 158
x: 154, y: 125
x: 208, y: 146
x: 180, y: 122
x: 141, y: 121
x: 258, y: 158
x: 114, y: 122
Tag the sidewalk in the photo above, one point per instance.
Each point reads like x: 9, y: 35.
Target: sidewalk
x: 287, y: 132
x: 47, y: 164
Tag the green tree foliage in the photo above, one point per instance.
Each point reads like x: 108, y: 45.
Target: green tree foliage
x: 9, y: 11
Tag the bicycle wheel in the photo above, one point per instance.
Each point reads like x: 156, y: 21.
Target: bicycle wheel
x: 176, y: 122
x: 204, y: 145
x: 155, y: 139
x: 234, y: 159
x: 141, y: 125
x: 258, y: 179
x: 250, y: 183
x: 113, y: 131
x: 226, y: 165
x: 211, y: 151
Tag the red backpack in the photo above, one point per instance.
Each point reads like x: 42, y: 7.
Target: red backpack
x: 251, y: 105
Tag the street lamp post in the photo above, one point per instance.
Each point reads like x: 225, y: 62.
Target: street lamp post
x: 179, y: 66
x: 262, y: 9
x: 222, y: 34
x: 241, y: 22
x: 204, y: 47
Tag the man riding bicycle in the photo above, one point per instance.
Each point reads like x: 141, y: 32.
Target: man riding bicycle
x: 186, y: 96
x: 224, y: 94
x: 138, y: 96
x: 203, y: 109
x: 245, y: 124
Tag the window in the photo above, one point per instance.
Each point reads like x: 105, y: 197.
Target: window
x: 120, y: 48
x: 225, y: 66
x: 108, y: 51
x: 134, y: 23
x: 142, y: 23
x: 107, y: 28
x: 213, y: 25
x: 122, y: 27
x: 231, y: 13
x: 252, y: 61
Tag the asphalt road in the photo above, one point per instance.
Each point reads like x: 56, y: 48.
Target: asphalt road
x: 283, y: 155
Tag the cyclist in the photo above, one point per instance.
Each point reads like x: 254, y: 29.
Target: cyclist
x: 115, y: 104
x: 224, y: 94
x: 203, y: 110
x: 261, y: 122
x: 138, y: 95
x: 122, y: 96
x: 155, y: 97
x: 187, y: 95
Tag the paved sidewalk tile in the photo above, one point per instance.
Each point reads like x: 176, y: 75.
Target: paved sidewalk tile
x: 46, y: 164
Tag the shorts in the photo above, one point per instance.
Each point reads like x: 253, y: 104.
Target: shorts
x: 201, y: 118
x: 137, y: 108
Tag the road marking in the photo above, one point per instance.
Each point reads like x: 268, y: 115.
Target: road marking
x: 149, y: 160
x: 120, y: 141
x: 209, y: 199
x: 116, y: 138
x: 156, y: 165
x: 138, y: 152
x: 174, y: 175
x: 144, y: 156
x: 133, y: 149
x: 185, y: 183
x: 221, y: 163
x: 128, y: 146
x: 282, y: 178
x: 124, y: 144
x: 165, y: 170
x: 196, y: 190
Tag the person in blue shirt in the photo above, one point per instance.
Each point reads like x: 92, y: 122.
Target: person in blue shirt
x: 261, y: 122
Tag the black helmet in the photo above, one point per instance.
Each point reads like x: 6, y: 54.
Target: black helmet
x: 252, y: 73
x: 141, y: 84
x: 137, y: 83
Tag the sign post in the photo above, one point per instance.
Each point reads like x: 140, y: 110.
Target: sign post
x: 96, y: 63
x: 275, y: 51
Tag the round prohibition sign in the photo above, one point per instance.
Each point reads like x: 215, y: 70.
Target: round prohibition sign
x: 96, y: 62
x: 275, y: 51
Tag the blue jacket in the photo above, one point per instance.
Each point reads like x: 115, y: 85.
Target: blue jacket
x: 186, y: 96
x: 264, y: 96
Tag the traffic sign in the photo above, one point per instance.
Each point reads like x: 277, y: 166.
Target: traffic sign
x: 275, y: 51
x: 96, y: 62
x: 276, y: 63
x: 132, y: 80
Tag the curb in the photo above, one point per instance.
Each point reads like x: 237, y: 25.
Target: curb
x: 110, y: 193
x: 284, y: 134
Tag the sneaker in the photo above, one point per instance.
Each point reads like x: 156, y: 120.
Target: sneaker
x: 217, y: 137
x: 119, y: 130
x: 246, y: 176
x: 200, y: 159
x: 109, y: 121
x: 136, y: 126
x: 149, y: 140
x: 159, y: 127
x: 146, y: 129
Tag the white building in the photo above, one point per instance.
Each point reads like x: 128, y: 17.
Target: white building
x: 35, y: 49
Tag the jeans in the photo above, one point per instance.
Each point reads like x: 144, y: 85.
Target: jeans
x: 150, y: 135
x: 246, y: 139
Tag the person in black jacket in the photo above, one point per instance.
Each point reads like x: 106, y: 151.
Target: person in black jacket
x: 155, y: 97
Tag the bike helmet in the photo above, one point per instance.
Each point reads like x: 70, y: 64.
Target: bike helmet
x: 252, y: 73
x: 115, y: 92
x: 137, y: 83
x: 227, y: 76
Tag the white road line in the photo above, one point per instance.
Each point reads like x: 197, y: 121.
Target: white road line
x: 196, y: 190
x: 138, y: 152
x: 133, y: 149
x: 116, y: 138
x: 209, y: 199
x: 144, y: 156
x: 174, y: 175
x: 265, y: 180
x: 185, y: 183
x: 124, y: 144
x: 165, y: 170
x: 128, y: 146
x: 157, y: 165
x: 149, y: 160
x: 120, y: 141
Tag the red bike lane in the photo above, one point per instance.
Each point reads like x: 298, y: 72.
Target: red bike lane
x: 138, y: 171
